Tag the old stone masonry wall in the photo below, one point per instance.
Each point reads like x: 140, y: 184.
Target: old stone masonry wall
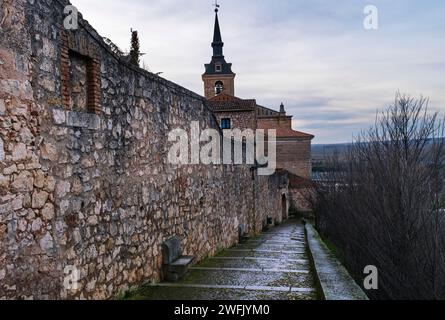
x: 84, y: 179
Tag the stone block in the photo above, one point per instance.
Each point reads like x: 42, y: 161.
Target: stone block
x: 49, y: 152
x: 39, y: 199
x: 2, y: 150
x: 83, y: 120
x: 48, y: 212
x: 171, y: 250
x: 19, y: 152
x: 2, y: 108
x: 10, y: 170
x: 242, y: 233
x: 175, y: 265
x: 47, y: 242
x: 59, y: 116
x: 23, y: 182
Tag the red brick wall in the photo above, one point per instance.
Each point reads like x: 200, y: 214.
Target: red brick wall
x: 295, y: 156
x: 228, y: 84
x: 275, y: 122
x: 240, y: 120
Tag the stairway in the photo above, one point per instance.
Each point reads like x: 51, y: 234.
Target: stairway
x: 273, y: 266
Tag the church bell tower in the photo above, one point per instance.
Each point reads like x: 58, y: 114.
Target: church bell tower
x: 218, y: 77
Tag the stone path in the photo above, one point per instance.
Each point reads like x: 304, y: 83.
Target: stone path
x: 273, y: 266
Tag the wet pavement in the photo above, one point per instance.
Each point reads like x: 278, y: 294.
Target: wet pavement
x: 273, y: 266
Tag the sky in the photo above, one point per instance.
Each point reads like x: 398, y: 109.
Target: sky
x: 315, y: 56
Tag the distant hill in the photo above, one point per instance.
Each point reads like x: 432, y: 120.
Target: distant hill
x: 320, y: 151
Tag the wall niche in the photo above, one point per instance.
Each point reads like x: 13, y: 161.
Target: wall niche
x: 81, y: 82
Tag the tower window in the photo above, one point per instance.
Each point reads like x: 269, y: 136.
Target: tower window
x: 218, y: 68
x: 226, y: 124
x: 219, y: 87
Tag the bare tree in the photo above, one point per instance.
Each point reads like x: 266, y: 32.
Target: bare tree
x: 381, y: 203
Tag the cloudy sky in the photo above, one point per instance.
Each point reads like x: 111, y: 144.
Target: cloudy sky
x: 313, y: 55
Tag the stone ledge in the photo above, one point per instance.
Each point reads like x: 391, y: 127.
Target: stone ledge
x: 85, y: 120
x: 333, y: 279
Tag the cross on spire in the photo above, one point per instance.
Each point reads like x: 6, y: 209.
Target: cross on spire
x: 216, y: 5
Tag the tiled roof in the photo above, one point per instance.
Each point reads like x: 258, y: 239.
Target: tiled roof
x: 286, y: 133
x: 289, y: 133
x: 263, y: 111
x: 297, y: 182
x: 225, y: 102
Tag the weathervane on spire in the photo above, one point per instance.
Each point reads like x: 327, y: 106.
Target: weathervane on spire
x: 216, y: 5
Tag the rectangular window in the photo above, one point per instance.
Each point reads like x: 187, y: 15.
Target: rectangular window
x: 226, y: 124
x: 218, y: 68
x: 80, y: 73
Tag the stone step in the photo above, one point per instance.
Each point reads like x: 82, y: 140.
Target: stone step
x: 269, y: 255
x: 263, y: 259
x: 268, y: 251
x: 282, y: 233
x: 254, y: 288
x: 273, y: 242
x: 251, y: 270
x: 246, y: 278
x: 272, y: 247
x: 205, y: 292
x: 282, y: 237
x: 273, y: 266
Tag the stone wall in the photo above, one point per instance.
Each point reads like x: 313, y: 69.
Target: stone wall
x: 84, y: 177
x: 300, y: 201
x: 270, y: 191
x: 293, y: 148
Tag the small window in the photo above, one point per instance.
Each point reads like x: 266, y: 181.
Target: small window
x: 218, y: 68
x: 219, y: 87
x: 226, y: 124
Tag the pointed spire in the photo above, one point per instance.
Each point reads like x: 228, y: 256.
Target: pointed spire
x: 217, y: 39
x: 218, y: 65
x: 217, y: 32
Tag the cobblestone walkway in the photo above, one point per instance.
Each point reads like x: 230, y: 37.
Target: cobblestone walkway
x: 273, y: 266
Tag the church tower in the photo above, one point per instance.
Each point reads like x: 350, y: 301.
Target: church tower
x: 218, y: 77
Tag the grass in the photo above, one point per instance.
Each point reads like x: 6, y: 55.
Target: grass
x: 336, y: 251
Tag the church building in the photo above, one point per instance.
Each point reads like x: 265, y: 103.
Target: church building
x: 293, y: 147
